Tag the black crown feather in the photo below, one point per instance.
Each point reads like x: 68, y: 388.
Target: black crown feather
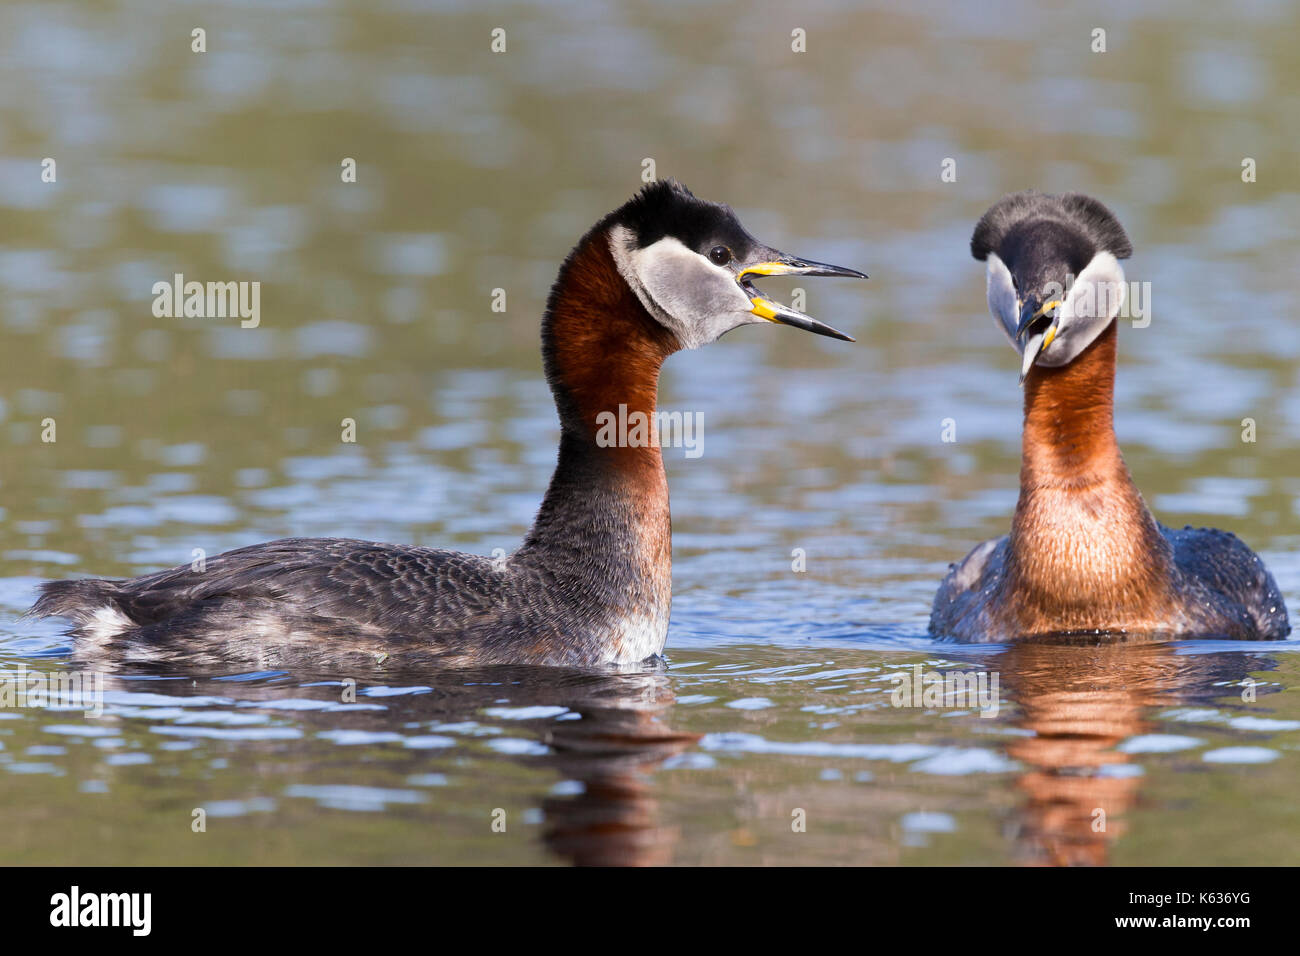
x: 1090, y: 217
x: 667, y: 208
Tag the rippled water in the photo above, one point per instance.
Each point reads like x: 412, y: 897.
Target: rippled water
x: 770, y: 736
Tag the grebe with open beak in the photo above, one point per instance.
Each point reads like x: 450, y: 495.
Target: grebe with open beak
x: 591, y: 584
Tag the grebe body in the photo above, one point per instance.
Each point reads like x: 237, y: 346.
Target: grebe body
x: 591, y: 584
x: 1085, y: 555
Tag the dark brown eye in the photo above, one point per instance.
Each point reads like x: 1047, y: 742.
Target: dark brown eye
x: 720, y: 255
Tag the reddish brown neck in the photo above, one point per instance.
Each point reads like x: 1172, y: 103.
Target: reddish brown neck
x: 1082, y: 536
x: 1069, y: 430
x: 602, y: 540
x: 605, y: 517
x: 603, y: 350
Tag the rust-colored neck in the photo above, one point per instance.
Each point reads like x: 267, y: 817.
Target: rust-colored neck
x: 603, y: 533
x: 1083, y: 544
x: 603, y: 353
x: 1069, y: 431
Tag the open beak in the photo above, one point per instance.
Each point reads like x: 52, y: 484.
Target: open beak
x: 1040, y: 323
x: 776, y: 312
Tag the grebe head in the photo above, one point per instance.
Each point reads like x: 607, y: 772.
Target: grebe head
x: 692, y: 265
x: 1054, y: 279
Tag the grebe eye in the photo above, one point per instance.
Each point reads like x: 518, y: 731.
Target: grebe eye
x: 720, y: 255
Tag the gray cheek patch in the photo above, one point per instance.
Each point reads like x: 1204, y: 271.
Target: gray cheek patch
x: 688, y: 294
x: 1002, y: 298
x: 1095, y: 298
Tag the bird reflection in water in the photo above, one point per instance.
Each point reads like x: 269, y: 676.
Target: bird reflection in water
x: 614, y: 739
x: 609, y: 742
x: 1081, y: 702
x: 611, y: 751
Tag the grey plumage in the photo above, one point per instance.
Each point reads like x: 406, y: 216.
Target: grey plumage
x: 561, y: 598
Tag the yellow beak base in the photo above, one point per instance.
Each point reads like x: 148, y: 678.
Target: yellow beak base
x: 763, y: 309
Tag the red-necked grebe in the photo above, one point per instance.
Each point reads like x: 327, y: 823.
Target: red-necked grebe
x: 591, y: 583
x: 1084, y: 554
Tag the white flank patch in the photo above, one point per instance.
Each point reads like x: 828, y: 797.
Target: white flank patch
x: 970, y: 570
x: 107, y: 622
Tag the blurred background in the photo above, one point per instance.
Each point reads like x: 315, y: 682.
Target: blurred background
x: 477, y: 170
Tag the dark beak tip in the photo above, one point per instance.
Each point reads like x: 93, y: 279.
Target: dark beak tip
x: 846, y: 273
x: 826, y: 270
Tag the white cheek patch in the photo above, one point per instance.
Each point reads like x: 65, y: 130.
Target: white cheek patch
x: 1003, y: 302
x: 1093, y: 301
x: 682, y: 289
